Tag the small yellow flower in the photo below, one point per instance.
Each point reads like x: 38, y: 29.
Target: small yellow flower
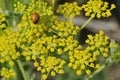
x: 82, y: 66
x: 39, y: 68
x: 53, y: 73
x: 28, y: 58
x: 36, y: 64
x: 44, y: 76
x: 88, y: 72
x: 34, y: 57
x: 78, y: 72
x: 59, y: 51
x: 105, y: 54
x: 52, y: 49
x: 11, y: 63
x: 61, y: 71
x: 97, y: 65
x: 70, y: 65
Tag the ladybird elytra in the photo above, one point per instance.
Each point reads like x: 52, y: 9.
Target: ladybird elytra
x: 35, y: 17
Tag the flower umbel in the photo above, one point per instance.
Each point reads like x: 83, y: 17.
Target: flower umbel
x: 69, y: 10
x: 81, y: 60
x: 98, y: 43
x: 98, y: 8
x: 7, y: 73
x: 50, y: 65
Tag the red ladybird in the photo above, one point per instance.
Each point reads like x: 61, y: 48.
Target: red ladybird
x: 35, y: 17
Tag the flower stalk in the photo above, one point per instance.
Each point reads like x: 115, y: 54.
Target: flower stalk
x: 86, y: 22
x: 53, y: 4
x: 22, y: 69
x: 96, y: 72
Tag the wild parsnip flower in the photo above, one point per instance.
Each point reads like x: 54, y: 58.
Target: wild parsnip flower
x: 19, y: 7
x: 7, y: 73
x: 38, y: 6
x: 42, y: 42
x: 31, y: 32
x: 99, y: 43
x: 8, y: 50
x: 98, y: 8
x: 2, y: 21
x: 65, y: 28
x: 50, y: 65
x: 83, y: 59
x: 69, y: 9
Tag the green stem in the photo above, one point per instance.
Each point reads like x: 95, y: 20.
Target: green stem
x: 53, y: 4
x: 96, y: 72
x: 22, y: 69
x: 86, y: 22
x: 2, y: 6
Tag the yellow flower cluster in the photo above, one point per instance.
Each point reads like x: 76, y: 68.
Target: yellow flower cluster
x: 98, y: 8
x: 54, y: 44
x: 82, y: 60
x: 7, y: 73
x: 50, y: 65
x: 99, y: 43
x: 69, y: 10
x: 2, y: 21
x: 42, y: 42
x: 38, y: 6
x: 51, y: 41
x: 65, y: 28
x: 7, y: 47
x: 41, y: 7
x: 19, y: 7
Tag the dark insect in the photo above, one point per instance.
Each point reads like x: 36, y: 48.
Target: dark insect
x: 35, y: 17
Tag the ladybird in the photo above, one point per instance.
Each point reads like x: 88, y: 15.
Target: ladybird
x: 35, y: 17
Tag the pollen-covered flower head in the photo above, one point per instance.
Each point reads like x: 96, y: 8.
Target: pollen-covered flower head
x: 98, y: 8
x: 81, y: 60
x: 50, y: 65
x: 47, y: 40
x: 69, y: 9
x: 38, y: 6
x: 7, y: 73
x: 100, y: 42
x: 8, y: 52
